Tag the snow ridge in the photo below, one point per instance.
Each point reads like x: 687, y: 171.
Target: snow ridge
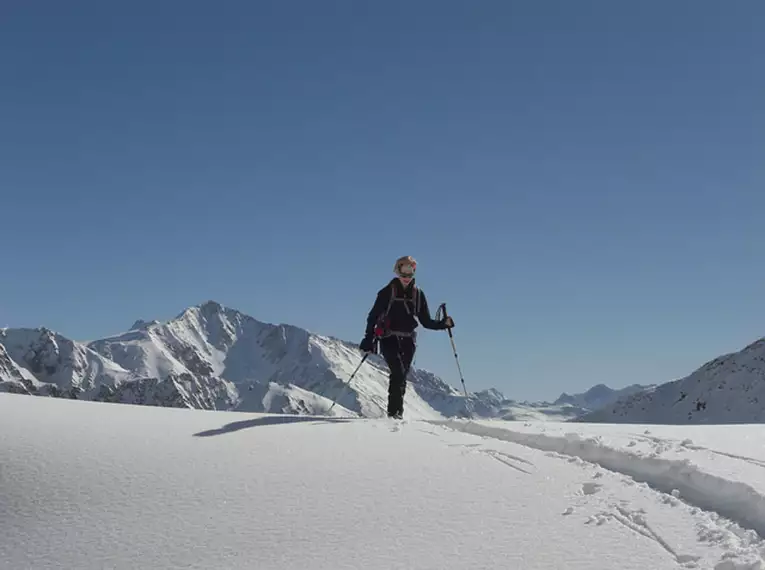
x: 729, y: 389
x: 735, y: 500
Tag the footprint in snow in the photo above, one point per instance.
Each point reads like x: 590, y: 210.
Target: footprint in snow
x: 598, y: 519
x: 590, y: 488
x: 670, y: 500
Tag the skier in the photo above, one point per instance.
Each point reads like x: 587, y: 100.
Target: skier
x: 392, y: 322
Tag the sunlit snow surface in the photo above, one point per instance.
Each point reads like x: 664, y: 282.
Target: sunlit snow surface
x: 92, y: 485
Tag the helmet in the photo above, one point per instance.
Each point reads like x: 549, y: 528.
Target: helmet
x: 405, y: 266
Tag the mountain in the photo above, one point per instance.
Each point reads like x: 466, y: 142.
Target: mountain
x: 599, y: 396
x: 217, y: 358
x: 729, y: 389
x: 50, y: 364
x: 14, y: 378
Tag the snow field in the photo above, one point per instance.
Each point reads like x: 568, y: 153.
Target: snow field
x: 92, y: 485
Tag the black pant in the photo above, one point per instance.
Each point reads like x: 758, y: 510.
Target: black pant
x: 398, y: 352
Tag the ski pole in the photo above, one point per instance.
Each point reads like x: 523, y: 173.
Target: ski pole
x: 345, y: 386
x: 454, y: 348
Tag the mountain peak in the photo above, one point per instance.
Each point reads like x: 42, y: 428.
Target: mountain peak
x: 211, y: 306
x: 491, y: 395
x: 141, y: 325
x: 599, y: 391
x: 598, y: 396
x: 727, y: 389
x: 205, y: 309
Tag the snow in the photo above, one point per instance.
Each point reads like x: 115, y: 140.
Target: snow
x: 95, y: 485
x: 51, y: 358
x: 10, y: 371
x: 729, y: 389
x: 217, y: 358
x: 718, y: 469
x: 214, y: 357
x: 599, y: 396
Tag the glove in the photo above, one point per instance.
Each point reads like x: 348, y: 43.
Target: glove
x: 448, y: 323
x: 368, y: 344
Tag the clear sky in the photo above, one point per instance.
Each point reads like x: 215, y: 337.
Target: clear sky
x: 581, y: 182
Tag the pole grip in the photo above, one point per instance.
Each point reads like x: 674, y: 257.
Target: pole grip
x: 443, y: 308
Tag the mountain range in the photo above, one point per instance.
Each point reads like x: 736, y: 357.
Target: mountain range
x: 214, y: 357
x: 598, y: 397
x: 729, y: 389
x: 217, y: 358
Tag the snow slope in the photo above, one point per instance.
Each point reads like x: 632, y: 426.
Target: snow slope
x: 729, y: 389
x: 92, y: 485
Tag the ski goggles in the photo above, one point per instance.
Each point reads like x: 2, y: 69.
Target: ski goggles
x: 406, y: 270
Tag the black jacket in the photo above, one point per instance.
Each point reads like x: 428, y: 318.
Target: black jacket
x: 401, y: 317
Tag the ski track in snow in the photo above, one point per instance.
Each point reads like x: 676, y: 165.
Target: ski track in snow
x: 635, y: 521
x: 506, y: 459
x: 734, y: 511
x: 662, y: 444
x: 743, y: 550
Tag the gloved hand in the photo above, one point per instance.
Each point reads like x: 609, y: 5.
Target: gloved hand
x: 448, y: 322
x: 368, y: 344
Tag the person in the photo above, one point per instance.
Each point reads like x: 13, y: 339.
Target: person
x: 392, y: 321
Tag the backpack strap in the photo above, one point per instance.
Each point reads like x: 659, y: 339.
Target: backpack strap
x: 393, y: 297
x: 382, y: 320
x: 414, y: 300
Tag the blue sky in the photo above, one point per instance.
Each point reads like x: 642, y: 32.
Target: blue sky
x: 582, y: 182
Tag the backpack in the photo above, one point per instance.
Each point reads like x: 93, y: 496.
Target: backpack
x: 383, y: 322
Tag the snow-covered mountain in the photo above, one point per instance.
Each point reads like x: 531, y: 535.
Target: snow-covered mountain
x: 48, y: 363
x: 728, y: 389
x: 599, y: 396
x: 215, y: 357
x: 14, y: 378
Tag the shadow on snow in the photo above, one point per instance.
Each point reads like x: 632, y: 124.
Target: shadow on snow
x: 267, y: 421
